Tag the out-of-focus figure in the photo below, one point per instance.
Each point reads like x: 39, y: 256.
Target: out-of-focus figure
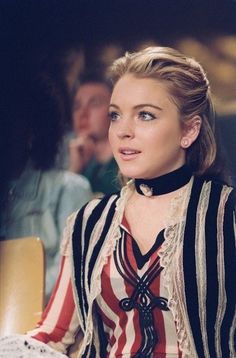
x: 89, y: 151
x: 36, y: 198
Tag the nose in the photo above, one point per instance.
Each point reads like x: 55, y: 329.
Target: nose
x: 125, y: 129
x: 81, y: 119
x: 83, y: 113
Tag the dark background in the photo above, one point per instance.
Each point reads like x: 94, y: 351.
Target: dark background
x: 36, y: 33
x: 52, y: 25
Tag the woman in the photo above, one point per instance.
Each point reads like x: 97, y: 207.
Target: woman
x: 147, y: 272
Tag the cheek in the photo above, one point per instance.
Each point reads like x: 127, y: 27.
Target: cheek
x: 74, y: 116
x: 113, y: 139
x: 111, y: 136
x: 161, y: 140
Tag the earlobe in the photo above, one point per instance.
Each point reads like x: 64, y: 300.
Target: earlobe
x: 191, y: 131
x: 185, y: 142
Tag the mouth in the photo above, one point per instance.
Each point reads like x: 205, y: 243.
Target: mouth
x: 128, y: 153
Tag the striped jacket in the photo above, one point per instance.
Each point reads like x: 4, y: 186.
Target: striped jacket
x: 199, y: 263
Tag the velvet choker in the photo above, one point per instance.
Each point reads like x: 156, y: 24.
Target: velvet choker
x: 165, y: 183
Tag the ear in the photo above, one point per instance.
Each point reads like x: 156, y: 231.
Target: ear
x: 191, y: 131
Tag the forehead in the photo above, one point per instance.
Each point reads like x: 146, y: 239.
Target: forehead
x: 132, y: 89
x: 92, y: 89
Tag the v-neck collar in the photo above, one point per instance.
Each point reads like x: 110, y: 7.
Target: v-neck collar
x: 142, y: 259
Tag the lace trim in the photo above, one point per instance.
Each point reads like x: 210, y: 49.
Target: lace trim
x: 222, y: 297
x: 200, y: 258
x: 67, y: 234
x: 109, y: 246
x: 112, y: 237
x: 65, y: 247
x: 18, y: 346
x: 171, y: 256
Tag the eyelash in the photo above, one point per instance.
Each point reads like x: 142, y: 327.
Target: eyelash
x: 142, y: 114
x: 114, y: 116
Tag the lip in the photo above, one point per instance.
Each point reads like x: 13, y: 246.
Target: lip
x: 127, y: 153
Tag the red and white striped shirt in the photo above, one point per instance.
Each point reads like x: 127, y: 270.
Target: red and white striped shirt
x: 136, y: 281
x: 132, y: 305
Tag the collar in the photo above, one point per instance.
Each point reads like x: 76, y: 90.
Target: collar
x: 165, y: 183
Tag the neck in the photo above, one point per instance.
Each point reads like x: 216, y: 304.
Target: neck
x: 164, y: 184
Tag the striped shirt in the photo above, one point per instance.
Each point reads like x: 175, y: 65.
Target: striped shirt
x: 145, y: 329
x: 198, y: 258
x: 133, y: 303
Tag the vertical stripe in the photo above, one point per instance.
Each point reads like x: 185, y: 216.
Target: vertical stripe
x: 132, y: 330
x: 189, y: 263
x: 97, y: 247
x: 77, y: 259
x: 54, y: 292
x: 159, y: 323
x: 200, y: 257
x: 91, y: 223
x: 221, y: 275
x: 232, y: 334
x: 211, y: 266
x: 64, y: 317
x: 229, y: 281
x: 171, y: 259
x: 109, y: 323
x: 60, y: 323
x: 114, y: 282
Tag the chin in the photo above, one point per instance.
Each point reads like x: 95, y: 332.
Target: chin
x: 132, y: 170
x: 132, y: 174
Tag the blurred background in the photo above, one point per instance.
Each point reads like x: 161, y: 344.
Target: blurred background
x: 61, y: 38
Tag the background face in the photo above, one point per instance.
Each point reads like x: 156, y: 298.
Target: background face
x: 145, y: 131
x: 90, y: 110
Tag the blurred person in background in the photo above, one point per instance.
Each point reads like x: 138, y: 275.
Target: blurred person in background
x: 35, y: 198
x: 88, y: 148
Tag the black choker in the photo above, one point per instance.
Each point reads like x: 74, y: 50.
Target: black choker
x: 165, y: 183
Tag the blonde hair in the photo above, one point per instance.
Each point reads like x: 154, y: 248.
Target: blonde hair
x: 189, y: 88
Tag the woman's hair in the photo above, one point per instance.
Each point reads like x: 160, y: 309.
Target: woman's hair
x: 189, y: 88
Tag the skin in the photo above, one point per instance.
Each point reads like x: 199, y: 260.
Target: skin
x: 90, y: 110
x: 146, y: 137
x: 145, y: 132
x: 90, y: 124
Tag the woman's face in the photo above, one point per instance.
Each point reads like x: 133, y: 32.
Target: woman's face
x: 145, y: 130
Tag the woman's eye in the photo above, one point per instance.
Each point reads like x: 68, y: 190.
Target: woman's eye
x: 113, y: 116
x: 146, y: 116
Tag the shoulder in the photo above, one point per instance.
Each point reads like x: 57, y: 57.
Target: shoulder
x: 62, y: 181
x: 224, y: 189
x: 64, y: 178
x: 96, y: 212
x: 76, y: 181
x: 98, y: 206
x: 68, y: 190
x: 219, y: 194
x: 214, y: 184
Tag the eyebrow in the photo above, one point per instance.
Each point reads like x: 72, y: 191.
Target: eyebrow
x: 139, y: 106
